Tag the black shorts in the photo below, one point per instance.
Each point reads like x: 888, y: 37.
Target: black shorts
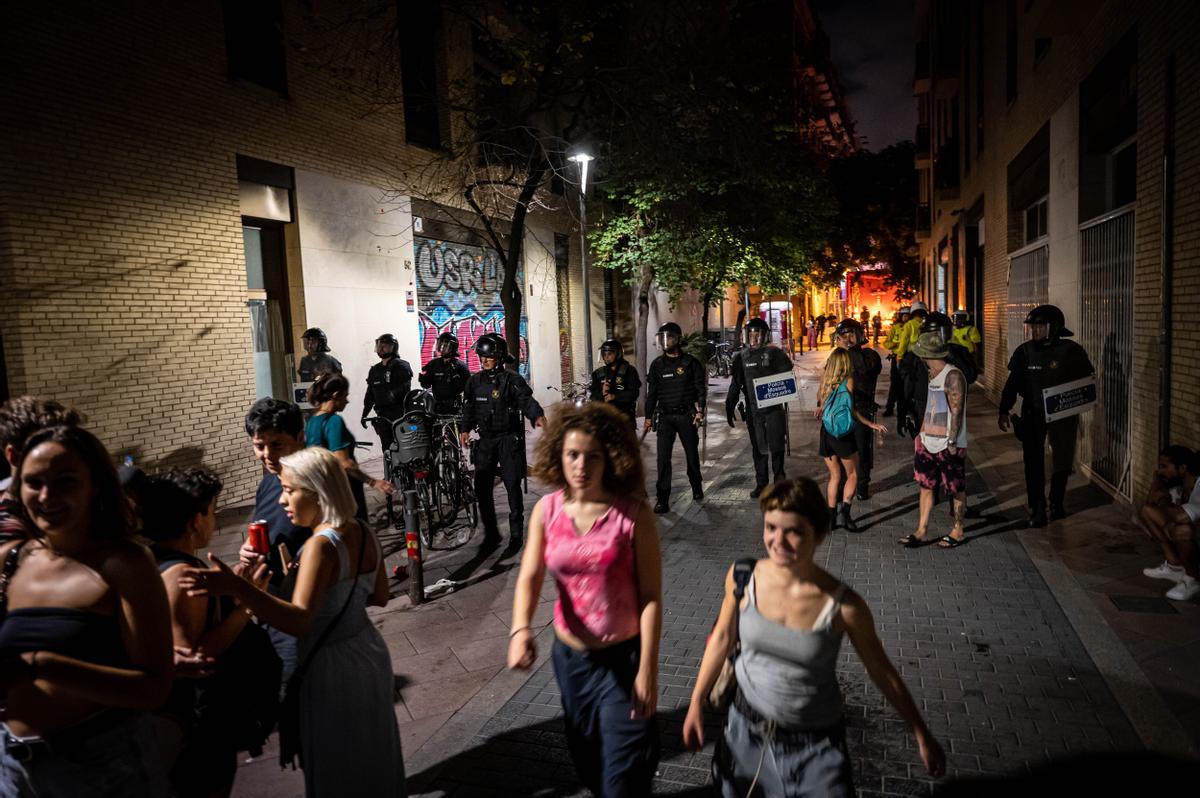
x: 836, y: 447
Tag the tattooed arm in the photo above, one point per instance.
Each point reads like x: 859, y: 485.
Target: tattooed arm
x: 956, y: 398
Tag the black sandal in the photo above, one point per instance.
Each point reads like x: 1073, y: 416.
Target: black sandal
x: 912, y: 541
x: 950, y: 542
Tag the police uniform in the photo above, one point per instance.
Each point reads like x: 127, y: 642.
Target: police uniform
x: 447, y: 379
x: 493, y: 404
x: 765, y: 426
x: 623, y: 383
x: 675, y: 391
x: 313, y: 366
x: 866, y: 366
x: 387, y: 385
x: 1034, y: 366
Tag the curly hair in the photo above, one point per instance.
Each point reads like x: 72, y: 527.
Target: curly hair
x: 168, y: 501
x: 274, y: 415
x: 112, y: 515
x: 22, y: 416
x: 802, y: 497
x: 624, y: 474
x: 325, y: 386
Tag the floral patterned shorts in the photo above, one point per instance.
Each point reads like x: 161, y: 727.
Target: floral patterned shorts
x: 948, y: 470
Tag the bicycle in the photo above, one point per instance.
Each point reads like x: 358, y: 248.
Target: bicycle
x: 454, y: 486
x: 407, y: 466
x: 720, y: 361
x: 577, y: 393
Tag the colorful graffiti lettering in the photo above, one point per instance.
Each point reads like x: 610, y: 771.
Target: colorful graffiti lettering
x: 458, y: 291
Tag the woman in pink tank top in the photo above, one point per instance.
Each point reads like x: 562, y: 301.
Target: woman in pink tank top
x: 596, y: 535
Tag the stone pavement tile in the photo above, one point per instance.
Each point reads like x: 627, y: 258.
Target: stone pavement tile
x: 431, y: 666
x: 480, y: 654
x: 444, y: 695
x: 433, y: 636
x: 414, y: 733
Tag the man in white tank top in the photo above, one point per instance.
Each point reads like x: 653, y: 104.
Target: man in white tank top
x: 940, y: 457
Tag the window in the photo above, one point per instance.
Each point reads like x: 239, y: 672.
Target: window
x: 420, y: 33
x: 1036, y: 219
x: 1122, y: 173
x: 254, y: 44
x: 1010, y: 52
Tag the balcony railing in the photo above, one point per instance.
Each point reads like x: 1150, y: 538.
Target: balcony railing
x: 924, y: 221
x: 946, y: 172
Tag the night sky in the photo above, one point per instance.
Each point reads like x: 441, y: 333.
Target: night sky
x: 872, y: 46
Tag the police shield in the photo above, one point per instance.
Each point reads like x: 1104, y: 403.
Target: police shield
x: 768, y: 370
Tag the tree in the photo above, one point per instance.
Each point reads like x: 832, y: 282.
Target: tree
x: 722, y: 187
x: 876, y: 197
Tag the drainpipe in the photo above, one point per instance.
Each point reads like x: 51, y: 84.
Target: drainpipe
x: 1166, y: 257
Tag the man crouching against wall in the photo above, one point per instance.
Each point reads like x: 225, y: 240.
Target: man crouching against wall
x: 1170, y: 517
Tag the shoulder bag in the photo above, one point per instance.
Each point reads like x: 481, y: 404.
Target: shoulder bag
x: 724, y: 687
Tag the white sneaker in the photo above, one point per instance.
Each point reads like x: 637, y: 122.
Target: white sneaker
x: 1166, y: 571
x: 1187, y: 589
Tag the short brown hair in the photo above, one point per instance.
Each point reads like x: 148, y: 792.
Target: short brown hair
x: 802, y: 497
x: 624, y: 474
x: 22, y: 416
x: 325, y: 387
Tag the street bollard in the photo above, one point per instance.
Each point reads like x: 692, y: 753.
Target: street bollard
x: 412, y: 541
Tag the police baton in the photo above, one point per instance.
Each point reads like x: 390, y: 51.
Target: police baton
x: 787, y: 432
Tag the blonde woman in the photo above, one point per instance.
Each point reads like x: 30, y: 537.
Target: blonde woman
x: 835, y: 401
x: 349, y: 741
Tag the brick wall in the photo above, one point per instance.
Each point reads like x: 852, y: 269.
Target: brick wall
x: 122, y: 267
x: 1081, y: 35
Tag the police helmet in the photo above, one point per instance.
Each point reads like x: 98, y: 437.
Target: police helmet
x: 612, y: 345
x: 1052, y: 316
x: 388, y: 338
x: 918, y: 308
x: 938, y: 322
x: 668, y: 329
x: 319, y: 335
x: 760, y: 325
x: 492, y: 345
x: 852, y: 330
x: 447, y: 344
x: 961, y: 318
x: 419, y: 401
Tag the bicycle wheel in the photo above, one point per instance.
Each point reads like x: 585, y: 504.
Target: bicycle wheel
x: 425, y: 511
x: 470, y: 503
x: 448, y: 499
x: 714, y: 368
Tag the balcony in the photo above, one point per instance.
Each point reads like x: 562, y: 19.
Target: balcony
x: 921, y: 72
x: 922, y: 151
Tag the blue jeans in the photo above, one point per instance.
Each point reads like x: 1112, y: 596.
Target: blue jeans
x: 613, y: 754
x: 104, y: 760
x: 782, y: 764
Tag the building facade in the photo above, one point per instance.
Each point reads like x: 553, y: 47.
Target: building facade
x: 1056, y: 143
x: 185, y: 189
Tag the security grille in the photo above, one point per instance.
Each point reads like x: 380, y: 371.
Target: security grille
x: 1106, y: 331
x: 1028, y: 287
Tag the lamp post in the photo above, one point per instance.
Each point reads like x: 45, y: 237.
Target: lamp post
x: 583, y: 159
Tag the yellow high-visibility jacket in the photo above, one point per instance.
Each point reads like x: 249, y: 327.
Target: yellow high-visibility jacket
x: 908, y: 336
x: 967, y: 336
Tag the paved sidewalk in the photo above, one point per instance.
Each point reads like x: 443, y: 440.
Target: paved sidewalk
x: 979, y: 633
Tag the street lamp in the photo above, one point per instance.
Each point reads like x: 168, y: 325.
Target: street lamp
x: 583, y: 159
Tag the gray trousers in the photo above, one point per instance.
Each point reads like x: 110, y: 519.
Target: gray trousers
x: 805, y: 764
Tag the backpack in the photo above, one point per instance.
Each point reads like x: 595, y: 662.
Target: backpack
x: 240, y: 701
x: 960, y: 357
x: 838, y: 415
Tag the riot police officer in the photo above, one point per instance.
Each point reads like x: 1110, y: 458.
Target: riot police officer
x: 388, y: 382
x: 675, y: 407
x: 316, y: 360
x: 966, y: 334
x: 767, y: 425
x: 493, y: 403
x: 866, y: 367
x: 616, y: 382
x: 446, y: 376
x: 1047, y: 360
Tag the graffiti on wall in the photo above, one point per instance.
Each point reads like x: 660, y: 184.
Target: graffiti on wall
x: 458, y: 291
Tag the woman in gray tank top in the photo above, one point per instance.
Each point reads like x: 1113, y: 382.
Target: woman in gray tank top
x: 785, y: 735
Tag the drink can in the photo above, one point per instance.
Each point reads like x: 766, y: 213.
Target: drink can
x: 259, y: 540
